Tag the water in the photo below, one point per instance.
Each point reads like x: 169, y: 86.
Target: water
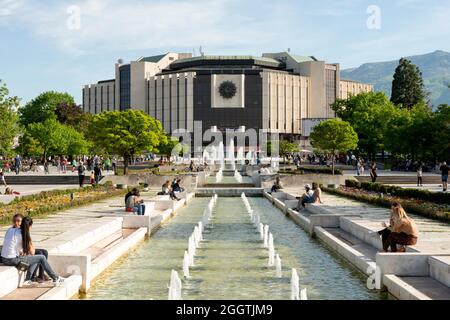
x: 231, y: 263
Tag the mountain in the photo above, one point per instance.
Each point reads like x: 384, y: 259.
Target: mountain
x: 435, y: 69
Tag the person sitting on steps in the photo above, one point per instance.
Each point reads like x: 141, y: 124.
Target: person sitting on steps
x: 402, y: 230
x: 18, y: 248
x: 305, y: 198
x: 134, y: 203
x: 277, y: 185
x: 167, y: 190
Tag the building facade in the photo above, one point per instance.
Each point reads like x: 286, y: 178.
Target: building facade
x: 278, y: 92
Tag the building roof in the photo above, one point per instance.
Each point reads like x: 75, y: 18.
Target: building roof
x: 302, y: 58
x: 230, y: 60
x: 154, y: 59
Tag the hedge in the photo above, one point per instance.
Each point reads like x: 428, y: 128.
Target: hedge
x: 412, y: 206
x: 305, y: 170
x: 425, y: 195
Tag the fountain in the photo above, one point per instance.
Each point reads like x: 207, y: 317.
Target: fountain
x: 191, y: 251
x: 240, y: 155
x: 266, y: 236
x: 271, y: 251
x: 175, y: 286
x: 279, y: 272
x: 295, y: 285
x: 238, y: 176
x: 261, y: 230
x: 186, y: 263
x: 219, y: 176
x: 303, y: 295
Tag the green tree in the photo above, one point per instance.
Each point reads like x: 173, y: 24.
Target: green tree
x: 43, y: 138
x: 412, y: 133
x: 369, y: 114
x: 334, y: 136
x: 43, y: 107
x: 172, y: 146
x: 52, y: 138
x: 408, y: 88
x: 9, y: 126
x: 127, y: 133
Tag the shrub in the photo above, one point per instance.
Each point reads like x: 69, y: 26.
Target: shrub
x: 425, y: 195
x: 420, y: 208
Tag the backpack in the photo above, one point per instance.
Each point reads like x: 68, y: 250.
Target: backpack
x: 81, y: 170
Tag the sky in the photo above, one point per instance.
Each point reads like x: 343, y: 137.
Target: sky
x: 63, y: 45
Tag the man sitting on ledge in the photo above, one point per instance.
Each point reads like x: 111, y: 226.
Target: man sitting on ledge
x: 310, y: 196
x: 402, y: 230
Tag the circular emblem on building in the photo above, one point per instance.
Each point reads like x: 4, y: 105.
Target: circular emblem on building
x: 227, y: 89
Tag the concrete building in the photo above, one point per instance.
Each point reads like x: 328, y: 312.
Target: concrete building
x: 278, y: 92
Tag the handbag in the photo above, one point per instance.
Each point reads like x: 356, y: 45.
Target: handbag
x: 22, y: 266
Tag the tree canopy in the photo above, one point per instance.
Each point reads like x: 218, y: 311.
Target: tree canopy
x: 408, y: 88
x: 43, y: 107
x: 333, y: 136
x: 369, y: 115
x: 9, y: 126
x: 127, y: 133
x: 52, y: 137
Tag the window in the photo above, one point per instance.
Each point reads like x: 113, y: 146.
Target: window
x: 125, y: 87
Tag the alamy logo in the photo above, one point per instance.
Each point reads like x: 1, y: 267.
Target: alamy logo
x: 74, y: 20
x: 374, y: 20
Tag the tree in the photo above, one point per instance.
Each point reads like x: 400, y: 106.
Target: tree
x: 369, y: 114
x: 43, y: 138
x: 127, y: 133
x: 334, y: 136
x: 9, y: 127
x: 172, y: 147
x: 74, y: 116
x: 43, y: 107
x: 408, y: 88
x: 51, y: 137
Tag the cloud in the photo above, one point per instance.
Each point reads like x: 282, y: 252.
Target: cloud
x: 138, y: 25
x: 7, y: 7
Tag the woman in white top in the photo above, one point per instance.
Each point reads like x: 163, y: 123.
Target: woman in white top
x: 17, y: 247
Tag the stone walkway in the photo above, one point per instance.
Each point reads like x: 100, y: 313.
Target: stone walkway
x: 434, y: 236
x: 55, y: 224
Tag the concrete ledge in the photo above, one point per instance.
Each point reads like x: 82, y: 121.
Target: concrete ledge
x: 402, y: 290
x: 299, y: 219
x: 78, y: 239
x: 317, y: 208
x: 355, y: 257
x: 66, y: 291
x: 440, y: 269
x: 73, y: 264
x: 111, y: 255
x: 9, y: 280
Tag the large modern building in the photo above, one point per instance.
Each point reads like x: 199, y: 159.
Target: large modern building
x: 278, y: 92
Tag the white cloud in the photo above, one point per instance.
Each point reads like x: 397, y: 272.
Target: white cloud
x: 7, y: 7
x: 136, y: 25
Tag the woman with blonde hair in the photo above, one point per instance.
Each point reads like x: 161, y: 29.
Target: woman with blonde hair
x: 401, y: 231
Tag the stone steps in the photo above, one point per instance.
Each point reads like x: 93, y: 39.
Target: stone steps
x: 416, y: 288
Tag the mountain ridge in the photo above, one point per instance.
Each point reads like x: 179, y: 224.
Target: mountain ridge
x: 435, y: 68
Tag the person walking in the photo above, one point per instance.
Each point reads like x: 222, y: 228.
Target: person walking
x: 81, y: 172
x: 2, y: 178
x: 17, y: 164
x: 373, y: 172
x: 97, y: 174
x: 419, y: 175
x: 444, y: 175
